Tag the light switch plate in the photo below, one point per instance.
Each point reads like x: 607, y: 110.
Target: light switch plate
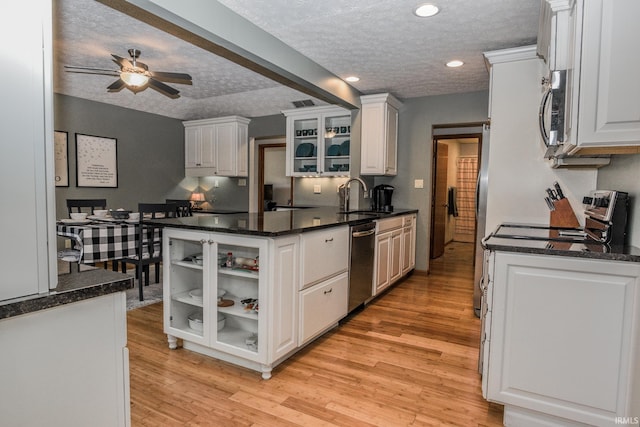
x: 317, y: 189
x: 418, y: 183
x: 242, y: 182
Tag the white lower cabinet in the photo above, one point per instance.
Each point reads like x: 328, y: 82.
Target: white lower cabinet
x: 564, y: 346
x: 222, y: 310
x: 322, y: 306
x: 394, y: 250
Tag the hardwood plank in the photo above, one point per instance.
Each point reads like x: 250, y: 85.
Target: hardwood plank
x: 408, y: 359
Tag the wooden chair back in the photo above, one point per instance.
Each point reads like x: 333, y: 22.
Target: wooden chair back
x: 77, y: 205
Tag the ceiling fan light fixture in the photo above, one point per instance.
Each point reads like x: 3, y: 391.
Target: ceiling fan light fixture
x: 352, y: 79
x: 134, y: 79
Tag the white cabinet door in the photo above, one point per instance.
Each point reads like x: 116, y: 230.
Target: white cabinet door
x: 242, y: 150
x: 564, y: 336
x: 379, y: 135
x: 283, y: 298
x: 382, y: 263
x: 609, y: 94
x: 226, y: 144
x: 192, y: 147
x: 322, y: 306
x: 208, y: 149
x: 395, y: 271
x: 407, y: 246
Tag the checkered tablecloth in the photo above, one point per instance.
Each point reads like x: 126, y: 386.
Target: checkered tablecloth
x: 101, y: 241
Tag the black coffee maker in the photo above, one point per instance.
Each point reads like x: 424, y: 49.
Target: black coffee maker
x: 382, y: 198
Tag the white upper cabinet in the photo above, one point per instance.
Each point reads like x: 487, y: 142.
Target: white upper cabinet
x: 379, y: 145
x: 217, y: 147
x: 318, y: 141
x: 596, y: 42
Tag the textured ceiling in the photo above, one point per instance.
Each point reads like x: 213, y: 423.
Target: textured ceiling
x: 379, y: 40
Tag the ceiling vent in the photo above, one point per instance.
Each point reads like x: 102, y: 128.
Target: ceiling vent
x: 303, y: 103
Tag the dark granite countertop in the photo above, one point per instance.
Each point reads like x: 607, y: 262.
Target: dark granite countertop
x: 576, y: 248
x: 219, y: 211
x: 71, y: 287
x: 276, y: 223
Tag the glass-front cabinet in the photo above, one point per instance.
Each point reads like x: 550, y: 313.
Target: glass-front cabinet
x: 213, y: 285
x: 318, y: 141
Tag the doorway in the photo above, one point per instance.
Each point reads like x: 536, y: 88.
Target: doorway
x: 456, y: 151
x: 274, y: 188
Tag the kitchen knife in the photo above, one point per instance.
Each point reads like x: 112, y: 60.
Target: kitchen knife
x: 558, y: 190
x: 550, y: 204
x: 552, y: 194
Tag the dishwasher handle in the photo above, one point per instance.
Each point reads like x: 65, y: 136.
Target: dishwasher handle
x: 363, y: 233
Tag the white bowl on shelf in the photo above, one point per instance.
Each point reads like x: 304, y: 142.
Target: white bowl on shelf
x: 221, y: 321
x: 195, y: 321
x: 100, y: 213
x: 196, y: 294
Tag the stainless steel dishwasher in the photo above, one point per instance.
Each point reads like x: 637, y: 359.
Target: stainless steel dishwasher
x: 361, y: 263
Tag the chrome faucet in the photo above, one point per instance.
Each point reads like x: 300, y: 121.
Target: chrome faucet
x: 344, y: 193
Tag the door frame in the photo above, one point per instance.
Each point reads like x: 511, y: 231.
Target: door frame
x: 438, y: 133
x: 261, y: 151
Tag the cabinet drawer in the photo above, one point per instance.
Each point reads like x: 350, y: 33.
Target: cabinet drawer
x: 383, y: 225
x: 323, y: 305
x: 324, y: 253
x: 408, y: 220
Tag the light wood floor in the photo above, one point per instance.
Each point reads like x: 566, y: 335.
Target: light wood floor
x: 408, y: 359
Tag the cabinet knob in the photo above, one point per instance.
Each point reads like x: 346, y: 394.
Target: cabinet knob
x: 210, y: 242
x: 202, y: 241
x: 328, y: 240
x: 329, y: 291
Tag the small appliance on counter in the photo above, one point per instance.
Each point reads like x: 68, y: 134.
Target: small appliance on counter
x: 381, y: 198
x: 606, y: 216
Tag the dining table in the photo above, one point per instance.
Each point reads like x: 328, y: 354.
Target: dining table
x: 99, y: 240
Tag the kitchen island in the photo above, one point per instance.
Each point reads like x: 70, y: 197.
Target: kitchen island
x: 253, y: 289
x: 64, y: 356
x: 560, y: 329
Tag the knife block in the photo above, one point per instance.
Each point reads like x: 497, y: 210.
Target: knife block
x: 563, y: 216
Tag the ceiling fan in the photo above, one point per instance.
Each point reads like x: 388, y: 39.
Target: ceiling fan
x: 135, y: 76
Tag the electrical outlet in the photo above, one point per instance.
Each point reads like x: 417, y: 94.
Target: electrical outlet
x: 418, y: 183
x: 317, y: 189
x: 242, y: 182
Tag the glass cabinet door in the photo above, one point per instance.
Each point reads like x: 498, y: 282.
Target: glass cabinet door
x: 305, y: 146
x: 185, y: 312
x: 337, y: 139
x: 239, y: 290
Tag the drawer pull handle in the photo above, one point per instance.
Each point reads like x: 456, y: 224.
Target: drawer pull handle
x: 329, y: 291
x: 328, y: 240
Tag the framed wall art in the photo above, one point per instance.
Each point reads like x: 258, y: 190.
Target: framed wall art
x: 61, y: 158
x: 96, y: 161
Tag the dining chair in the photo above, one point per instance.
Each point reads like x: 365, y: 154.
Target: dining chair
x: 77, y: 205
x: 148, y: 242
x: 183, y: 207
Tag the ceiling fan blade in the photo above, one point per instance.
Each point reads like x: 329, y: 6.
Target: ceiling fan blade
x: 78, y: 69
x: 116, y: 86
x: 164, y: 89
x: 180, y: 78
x: 95, y: 73
x: 122, y: 62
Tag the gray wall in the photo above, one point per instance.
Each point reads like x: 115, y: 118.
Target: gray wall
x: 150, y: 151
x: 417, y: 116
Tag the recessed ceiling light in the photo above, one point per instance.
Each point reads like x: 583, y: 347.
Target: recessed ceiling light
x: 352, y: 79
x: 455, y: 63
x: 426, y: 10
